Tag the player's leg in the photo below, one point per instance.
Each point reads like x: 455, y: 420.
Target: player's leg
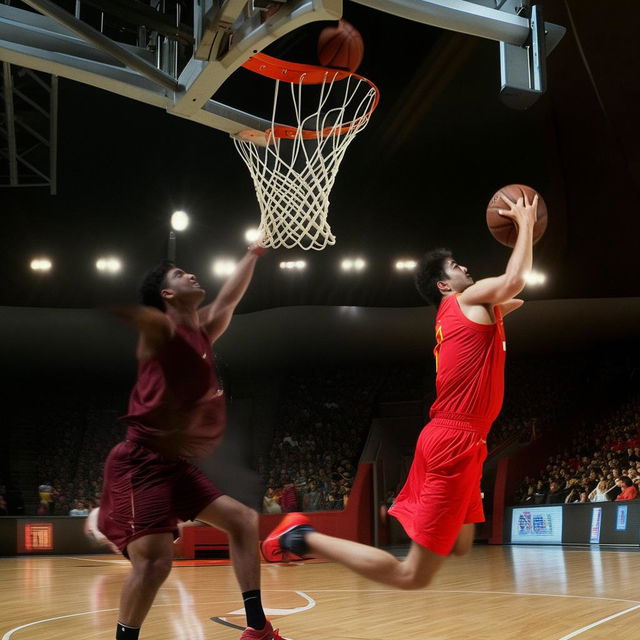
x: 150, y: 558
x: 464, y: 541
x: 412, y: 572
x: 241, y: 525
x: 475, y: 510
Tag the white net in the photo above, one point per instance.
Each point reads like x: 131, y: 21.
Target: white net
x: 293, y: 167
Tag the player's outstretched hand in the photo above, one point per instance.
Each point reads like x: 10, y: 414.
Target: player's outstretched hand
x: 138, y: 315
x: 522, y: 212
x: 154, y: 325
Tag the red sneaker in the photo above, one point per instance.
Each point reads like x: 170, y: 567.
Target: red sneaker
x: 274, y: 548
x: 267, y: 633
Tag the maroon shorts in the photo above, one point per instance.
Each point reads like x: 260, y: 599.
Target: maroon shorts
x: 145, y: 492
x: 442, y: 491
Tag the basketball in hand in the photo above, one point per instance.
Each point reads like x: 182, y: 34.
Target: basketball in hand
x: 505, y: 230
x: 340, y: 47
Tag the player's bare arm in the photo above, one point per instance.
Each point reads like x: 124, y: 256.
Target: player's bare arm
x: 502, y: 289
x: 215, y: 317
x: 511, y: 305
x: 155, y: 328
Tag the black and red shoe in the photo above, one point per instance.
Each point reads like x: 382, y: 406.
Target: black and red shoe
x: 287, y: 540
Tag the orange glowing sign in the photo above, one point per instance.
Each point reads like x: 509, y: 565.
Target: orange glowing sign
x: 38, y: 537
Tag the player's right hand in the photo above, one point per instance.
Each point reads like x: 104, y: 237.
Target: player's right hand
x: 522, y: 212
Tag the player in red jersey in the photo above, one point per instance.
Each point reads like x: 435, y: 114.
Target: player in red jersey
x: 441, y: 499
x: 176, y: 414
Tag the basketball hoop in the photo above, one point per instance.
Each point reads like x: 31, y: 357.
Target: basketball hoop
x: 294, y: 166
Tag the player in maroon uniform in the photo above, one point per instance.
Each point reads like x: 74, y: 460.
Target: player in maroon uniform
x: 441, y: 500
x: 176, y: 414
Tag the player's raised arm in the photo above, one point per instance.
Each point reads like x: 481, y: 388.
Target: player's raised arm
x: 154, y: 326
x: 215, y: 317
x: 501, y: 289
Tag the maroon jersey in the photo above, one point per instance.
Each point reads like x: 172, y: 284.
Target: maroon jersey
x: 470, y: 361
x: 177, y: 406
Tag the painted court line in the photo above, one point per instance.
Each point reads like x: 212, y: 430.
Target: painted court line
x: 7, y: 635
x: 280, y: 612
x: 311, y: 603
x: 599, y: 622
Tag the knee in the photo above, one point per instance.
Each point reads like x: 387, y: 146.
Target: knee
x: 461, y: 550
x: 412, y: 580
x: 153, y: 570
x: 244, y: 520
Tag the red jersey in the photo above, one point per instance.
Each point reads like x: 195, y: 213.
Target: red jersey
x: 470, y: 361
x: 177, y: 406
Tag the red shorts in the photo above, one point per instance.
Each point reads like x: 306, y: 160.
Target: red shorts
x: 442, y: 491
x: 144, y: 492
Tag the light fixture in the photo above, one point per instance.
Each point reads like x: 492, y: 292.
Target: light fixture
x: 535, y: 278
x: 252, y: 235
x: 41, y: 264
x: 293, y: 265
x: 108, y: 264
x: 223, y: 267
x: 179, y: 221
x: 353, y: 264
x: 406, y: 265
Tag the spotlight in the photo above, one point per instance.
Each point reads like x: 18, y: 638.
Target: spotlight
x: 179, y: 221
x: 41, y: 264
x: 406, y: 265
x: 535, y: 278
x: 353, y: 264
x: 252, y: 235
x: 108, y: 265
x: 293, y: 265
x: 223, y: 267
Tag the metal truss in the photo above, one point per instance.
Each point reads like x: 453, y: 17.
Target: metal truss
x: 28, y: 128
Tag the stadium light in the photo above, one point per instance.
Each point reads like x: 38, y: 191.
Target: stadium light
x: 108, y: 265
x: 406, y: 265
x: 252, y: 235
x: 43, y: 265
x: 179, y: 221
x: 535, y: 278
x: 223, y: 267
x: 353, y: 264
x: 293, y: 265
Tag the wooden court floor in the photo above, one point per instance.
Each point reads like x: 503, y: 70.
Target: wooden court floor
x: 494, y: 593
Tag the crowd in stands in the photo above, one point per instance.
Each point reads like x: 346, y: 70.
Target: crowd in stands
x: 74, y: 442
x: 545, y: 391
x: 602, y: 463
x: 322, y: 424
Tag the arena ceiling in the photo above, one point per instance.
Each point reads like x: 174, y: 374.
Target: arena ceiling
x: 419, y: 176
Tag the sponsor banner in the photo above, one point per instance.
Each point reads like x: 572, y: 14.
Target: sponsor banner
x: 539, y: 525
x: 621, y: 517
x: 596, y: 522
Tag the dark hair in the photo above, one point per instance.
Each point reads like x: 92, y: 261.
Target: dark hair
x: 627, y: 481
x: 430, y: 271
x: 153, y: 284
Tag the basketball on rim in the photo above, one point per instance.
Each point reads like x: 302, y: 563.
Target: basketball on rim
x: 340, y: 47
x: 505, y: 230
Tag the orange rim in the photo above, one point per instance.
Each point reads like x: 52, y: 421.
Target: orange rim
x: 294, y: 72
